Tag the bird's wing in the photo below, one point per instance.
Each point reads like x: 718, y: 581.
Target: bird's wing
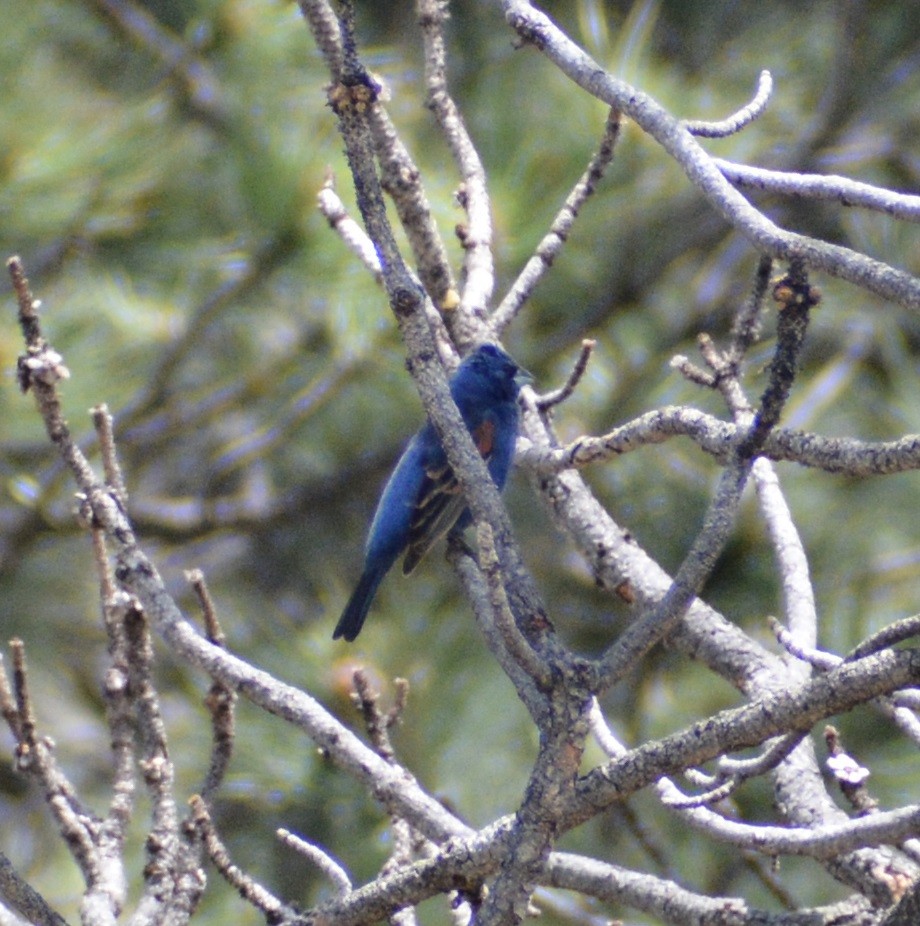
x: 440, y: 503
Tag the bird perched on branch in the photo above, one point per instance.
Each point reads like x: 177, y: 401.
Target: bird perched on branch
x: 422, y: 500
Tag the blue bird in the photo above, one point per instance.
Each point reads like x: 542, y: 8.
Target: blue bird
x: 422, y: 500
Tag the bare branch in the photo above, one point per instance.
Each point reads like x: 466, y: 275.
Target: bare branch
x: 324, y: 26
x: 699, y: 562
x: 847, y: 456
x: 515, y: 644
x: 84, y: 834
x: 895, y: 633
x: 220, y: 700
x: 849, y: 775
x: 116, y: 691
x: 479, y: 272
x: 434, y: 851
x: 557, y: 396
x: 479, y: 595
x: 400, y: 178
x: 329, y: 867
x: 22, y: 897
x: 827, y: 188
x: 136, y: 574
x: 672, y: 903
x: 377, y: 724
x: 103, y: 423
x: 353, y: 236
x: 549, y: 248
x: 736, y: 122
x: 792, y: 563
x: 537, y: 29
x: 8, y: 704
x: 750, y: 725
x: 24, y: 714
x: 250, y: 890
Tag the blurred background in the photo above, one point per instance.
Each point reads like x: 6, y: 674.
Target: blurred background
x: 159, y: 165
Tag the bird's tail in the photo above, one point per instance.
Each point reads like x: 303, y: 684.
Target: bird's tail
x: 352, y: 619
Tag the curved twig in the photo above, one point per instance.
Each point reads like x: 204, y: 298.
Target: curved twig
x: 736, y: 122
x: 537, y: 29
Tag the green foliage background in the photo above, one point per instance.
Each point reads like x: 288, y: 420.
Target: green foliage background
x: 170, y: 229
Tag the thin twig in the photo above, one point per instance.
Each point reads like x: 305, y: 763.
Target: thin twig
x: 809, y: 655
x: 136, y: 573
x: 479, y: 272
x: 162, y: 845
x: 825, y: 188
x: 352, y: 234
x: 796, y: 298
x: 825, y: 841
x: 479, y: 595
x: 898, y: 632
x: 747, y: 323
x: 561, y: 227
x: 221, y: 698
x: 116, y: 689
x: 515, y: 642
x: 213, y: 630
x: 249, y: 889
x: 104, y: 425
x: 8, y: 704
x: 404, y: 839
x: 81, y: 830
x: 742, y: 770
x: 695, y: 569
x: 23, y: 700
x: 377, y: 724
x: 787, y: 757
x: 557, y: 396
x: 736, y: 122
x: 326, y: 31
x: 850, y: 776
x: 327, y: 865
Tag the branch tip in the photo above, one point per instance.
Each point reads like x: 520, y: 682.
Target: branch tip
x: 739, y: 120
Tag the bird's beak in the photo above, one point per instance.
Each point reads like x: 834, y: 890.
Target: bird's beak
x: 523, y: 378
